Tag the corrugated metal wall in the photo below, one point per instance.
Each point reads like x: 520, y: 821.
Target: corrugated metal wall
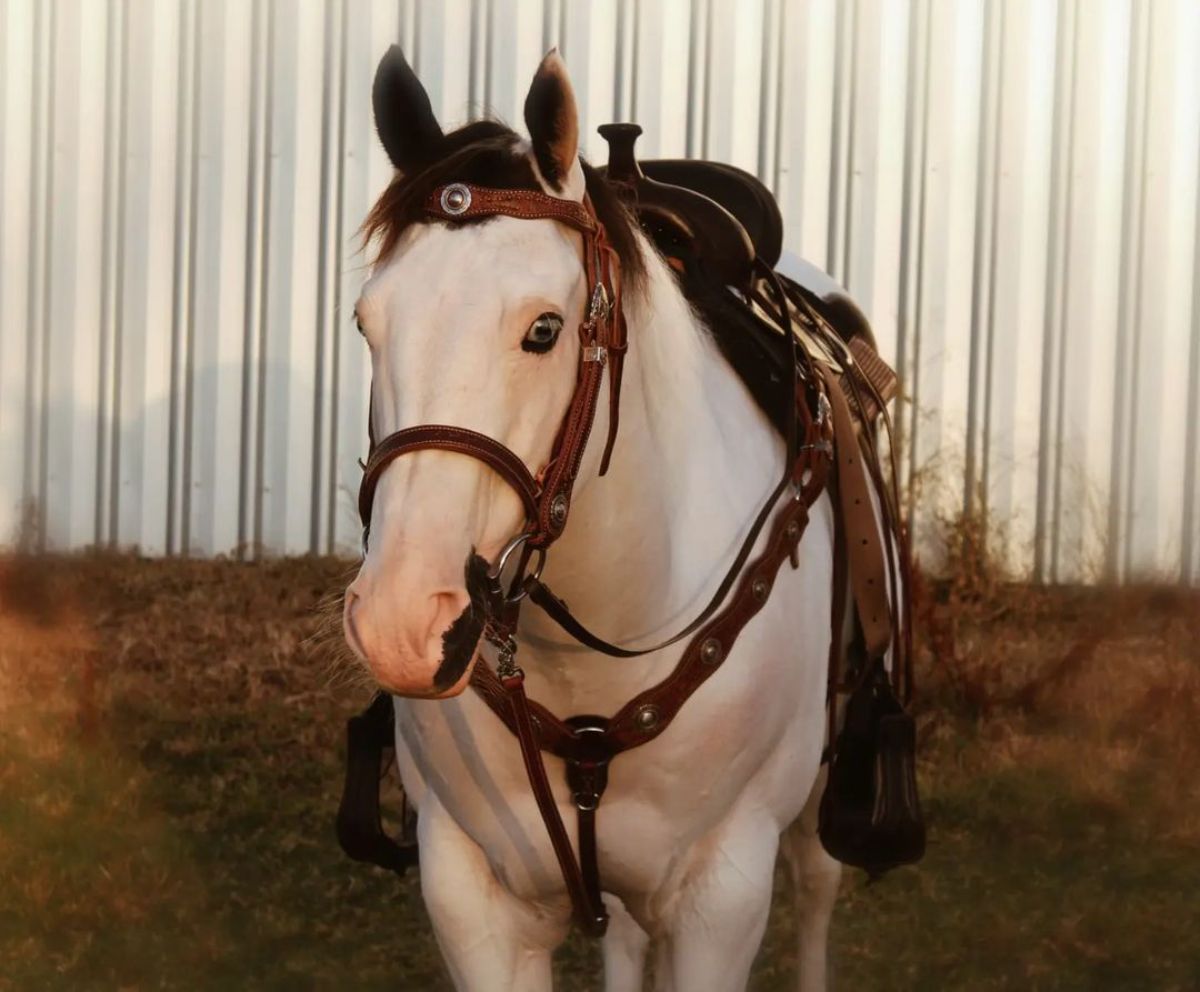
x: 1008, y: 186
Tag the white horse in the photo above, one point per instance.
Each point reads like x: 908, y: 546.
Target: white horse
x: 692, y: 822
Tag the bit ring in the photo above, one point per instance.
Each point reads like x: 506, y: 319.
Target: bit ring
x: 497, y: 569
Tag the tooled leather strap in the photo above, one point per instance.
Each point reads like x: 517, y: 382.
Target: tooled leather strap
x: 585, y: 896
x: 524, y: 204
x: 794, y: 467
x: 864, y: 547
x: 458, y: 439
x: 602, y: 332
x: 650, y: 712
x: 602, y: 342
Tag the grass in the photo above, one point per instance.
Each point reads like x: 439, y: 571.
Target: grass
x: 170, y: 760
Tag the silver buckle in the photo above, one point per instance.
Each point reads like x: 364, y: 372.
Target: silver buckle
x: 595, y: 353
x: 598, y: 307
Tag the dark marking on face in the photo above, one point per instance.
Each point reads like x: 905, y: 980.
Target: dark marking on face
x: 461, y: 638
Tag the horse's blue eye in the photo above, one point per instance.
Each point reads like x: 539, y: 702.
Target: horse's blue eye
x: 542, y: 333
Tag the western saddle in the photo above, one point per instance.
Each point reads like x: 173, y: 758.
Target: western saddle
x: 723, y: 217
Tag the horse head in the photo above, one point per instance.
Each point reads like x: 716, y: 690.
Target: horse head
x: 471, y: 324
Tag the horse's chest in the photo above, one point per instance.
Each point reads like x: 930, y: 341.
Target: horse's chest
x: 724, y: 745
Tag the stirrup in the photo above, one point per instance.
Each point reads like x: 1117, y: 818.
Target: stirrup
x: 870, y: 815
x: 359, y: 825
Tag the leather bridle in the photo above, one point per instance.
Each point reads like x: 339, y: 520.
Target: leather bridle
x: 545, y: 497
x: 589, y: 743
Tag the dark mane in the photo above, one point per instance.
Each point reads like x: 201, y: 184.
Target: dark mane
x: 484, y: 153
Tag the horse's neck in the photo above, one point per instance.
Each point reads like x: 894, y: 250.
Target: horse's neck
x: 648, y: 543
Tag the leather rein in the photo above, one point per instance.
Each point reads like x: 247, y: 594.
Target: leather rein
x: 588, y: 743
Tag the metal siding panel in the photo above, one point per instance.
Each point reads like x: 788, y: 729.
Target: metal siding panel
x: 1090, y: 307
x: 70, y: 367
x: 366, y: 172
x: 1010, y: 427
x: 1161, y: 324
x: 661, y: 93
x: 289, y: 379
x: 733, y: 81
x: 942, y: 342
x: 20, y: 115
x: 178, y: 233
x: 220, y: 265
x: 807, y: 127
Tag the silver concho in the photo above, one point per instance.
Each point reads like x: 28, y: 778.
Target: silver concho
x: 646, y: 716
x: 558, y: 510
x: 456, y: 199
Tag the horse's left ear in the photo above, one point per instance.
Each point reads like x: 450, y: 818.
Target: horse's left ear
x: 553, y: 123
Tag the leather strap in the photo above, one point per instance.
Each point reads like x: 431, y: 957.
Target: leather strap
x: 650, y: 712
x: 602, y: 335
x: 442, y: 437
x: 794, y: 467
x: 589, y: 907
x: 868, y: 574
x: 557, y: 610
x: 524, y: 204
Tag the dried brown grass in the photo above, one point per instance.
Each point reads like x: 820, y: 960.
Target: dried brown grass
x: 170, y: 736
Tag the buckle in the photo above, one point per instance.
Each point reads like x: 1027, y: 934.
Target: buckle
x: 595, y: 353
x: 598, y: 308
x: 587, y: 776
x: 824, y: 410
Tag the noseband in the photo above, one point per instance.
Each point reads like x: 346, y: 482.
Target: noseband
x: 588, y: 743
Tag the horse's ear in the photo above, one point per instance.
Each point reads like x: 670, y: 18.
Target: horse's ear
x: 553, y: 124
x: 403, y: 116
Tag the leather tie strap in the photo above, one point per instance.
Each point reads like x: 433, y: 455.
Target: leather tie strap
x: 868, y: 571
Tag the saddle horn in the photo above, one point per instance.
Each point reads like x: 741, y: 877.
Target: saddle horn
x: 682, y: 222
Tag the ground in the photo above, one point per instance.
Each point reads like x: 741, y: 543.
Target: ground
x: 170, y: 761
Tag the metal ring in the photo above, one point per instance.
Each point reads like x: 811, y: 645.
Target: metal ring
x: 505, y: 553
x: 496, y: 570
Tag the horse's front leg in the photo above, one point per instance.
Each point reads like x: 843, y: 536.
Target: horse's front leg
x: 721, y: 909
x: 491, y: 940
x: 816, y: 878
